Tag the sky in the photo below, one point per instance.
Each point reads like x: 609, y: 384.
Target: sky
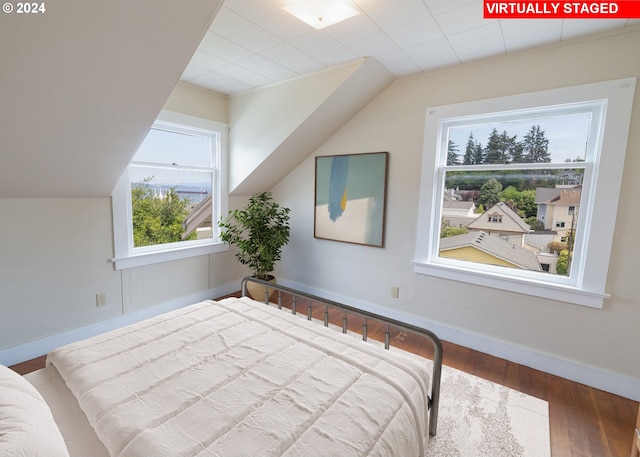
x: 172, y: 148
x: 567, y: 134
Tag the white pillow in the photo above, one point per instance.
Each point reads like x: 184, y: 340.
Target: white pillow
x: 27, y: 428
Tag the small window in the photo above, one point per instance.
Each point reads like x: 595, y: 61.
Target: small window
x: 167, y: 202
x: 553, y: 157
x: 171, y: 179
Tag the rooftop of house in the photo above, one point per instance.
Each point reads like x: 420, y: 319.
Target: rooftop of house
x: 567, y: 197
x: 509, y: 220
x: 494, y: 246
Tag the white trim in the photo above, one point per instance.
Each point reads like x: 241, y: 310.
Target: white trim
x: 126, y: 256
x: 37, y: 348
x: 614, y: 383
x: 167, y: 255
x: 574, y: 371
x: 560, y: 292
x: 586, y: 286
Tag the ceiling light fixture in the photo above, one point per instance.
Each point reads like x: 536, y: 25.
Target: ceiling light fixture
x: 322, y: 13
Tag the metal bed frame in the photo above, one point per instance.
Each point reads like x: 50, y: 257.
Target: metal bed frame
x: 434, y: 399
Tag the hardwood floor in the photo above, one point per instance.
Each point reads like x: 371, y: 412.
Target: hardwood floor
x: 583, y: 421
x: 30, y: 365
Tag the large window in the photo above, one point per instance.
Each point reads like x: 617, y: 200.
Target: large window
x: 520, y: 193
x: 168, y: 201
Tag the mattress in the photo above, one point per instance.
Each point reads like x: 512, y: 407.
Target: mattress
x: 79, y: 437
x: 239, y: 378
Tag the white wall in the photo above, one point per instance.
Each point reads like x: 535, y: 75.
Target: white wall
x: 274, y: 128
x: 54, y: 261
x: 596, y: 347
x: 55, y: 258
x: 194, y: 101
x: 55, y: 251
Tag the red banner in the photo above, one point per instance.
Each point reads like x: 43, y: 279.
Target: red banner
x: 624, y: 9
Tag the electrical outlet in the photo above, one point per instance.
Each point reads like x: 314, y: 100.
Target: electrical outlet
x: 395, y: 292
x: 101, y: 299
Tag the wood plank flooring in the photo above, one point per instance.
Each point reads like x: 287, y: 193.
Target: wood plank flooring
x: 583, y: 421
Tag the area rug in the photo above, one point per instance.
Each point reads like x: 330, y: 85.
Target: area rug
x: 479, y: 418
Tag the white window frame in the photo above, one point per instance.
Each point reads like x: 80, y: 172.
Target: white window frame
x: 586, y: 285
x: 128, y: 256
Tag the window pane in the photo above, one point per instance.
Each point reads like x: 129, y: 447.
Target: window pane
x: 546, y: 139
x: 175, y: 148
x: 524, y: 219
x: 170, y: 205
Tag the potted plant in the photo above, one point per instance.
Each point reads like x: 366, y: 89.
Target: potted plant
x: 259, y: 231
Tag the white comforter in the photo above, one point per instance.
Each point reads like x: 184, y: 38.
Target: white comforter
x: 239, y: 378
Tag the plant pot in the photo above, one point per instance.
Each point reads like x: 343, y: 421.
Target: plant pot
x: 257, y: 291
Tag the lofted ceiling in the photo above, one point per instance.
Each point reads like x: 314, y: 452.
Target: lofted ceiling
x: 82, y: 82
x: 253, y: 43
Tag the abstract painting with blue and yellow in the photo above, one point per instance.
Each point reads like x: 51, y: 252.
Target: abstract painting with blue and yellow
x: 350, y: 198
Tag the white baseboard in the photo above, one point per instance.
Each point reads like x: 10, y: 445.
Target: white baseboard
x: 573, y: 371
x: 37, y: 348
x: 590, y: 376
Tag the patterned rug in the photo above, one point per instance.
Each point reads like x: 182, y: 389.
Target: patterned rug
x: 479, y: 418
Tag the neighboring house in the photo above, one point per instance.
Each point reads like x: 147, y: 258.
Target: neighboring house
x: 538, y: 243
x: 502, y: 222
x: 456, y: 213
x: 480, y: 247
x: 539, y: 240
x: 548, y: 261
x: 199, y: 219
x: 558, y: 209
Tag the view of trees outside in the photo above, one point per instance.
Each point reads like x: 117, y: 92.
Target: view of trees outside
x: 502, y: 148
x: 158, y: 217
x: 490, y: 182
x: 170, y: 175
x: 515, y: 187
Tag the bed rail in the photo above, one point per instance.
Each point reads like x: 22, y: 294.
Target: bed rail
x: 434, y: 399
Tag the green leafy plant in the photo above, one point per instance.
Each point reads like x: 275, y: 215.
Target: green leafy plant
x: 259, y: 231
x: 157, y: 220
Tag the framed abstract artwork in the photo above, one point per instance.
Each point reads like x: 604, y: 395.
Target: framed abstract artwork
x: 350, y: 198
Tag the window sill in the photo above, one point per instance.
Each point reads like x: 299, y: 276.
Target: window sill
x: 167, y: 255
x: 559, y: 292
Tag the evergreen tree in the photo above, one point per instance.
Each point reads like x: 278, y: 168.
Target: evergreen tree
x: 517, y: 155
x: 469, y: 151
x: 499, y: 147
x: 452, y: 154
x: 478, y: 154
x: 492, y: 152
x: 508, y: 145
x: 535, y: 147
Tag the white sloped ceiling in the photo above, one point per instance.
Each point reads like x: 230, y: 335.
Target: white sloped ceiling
x: 274, y: 128
x: 80, y: 85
